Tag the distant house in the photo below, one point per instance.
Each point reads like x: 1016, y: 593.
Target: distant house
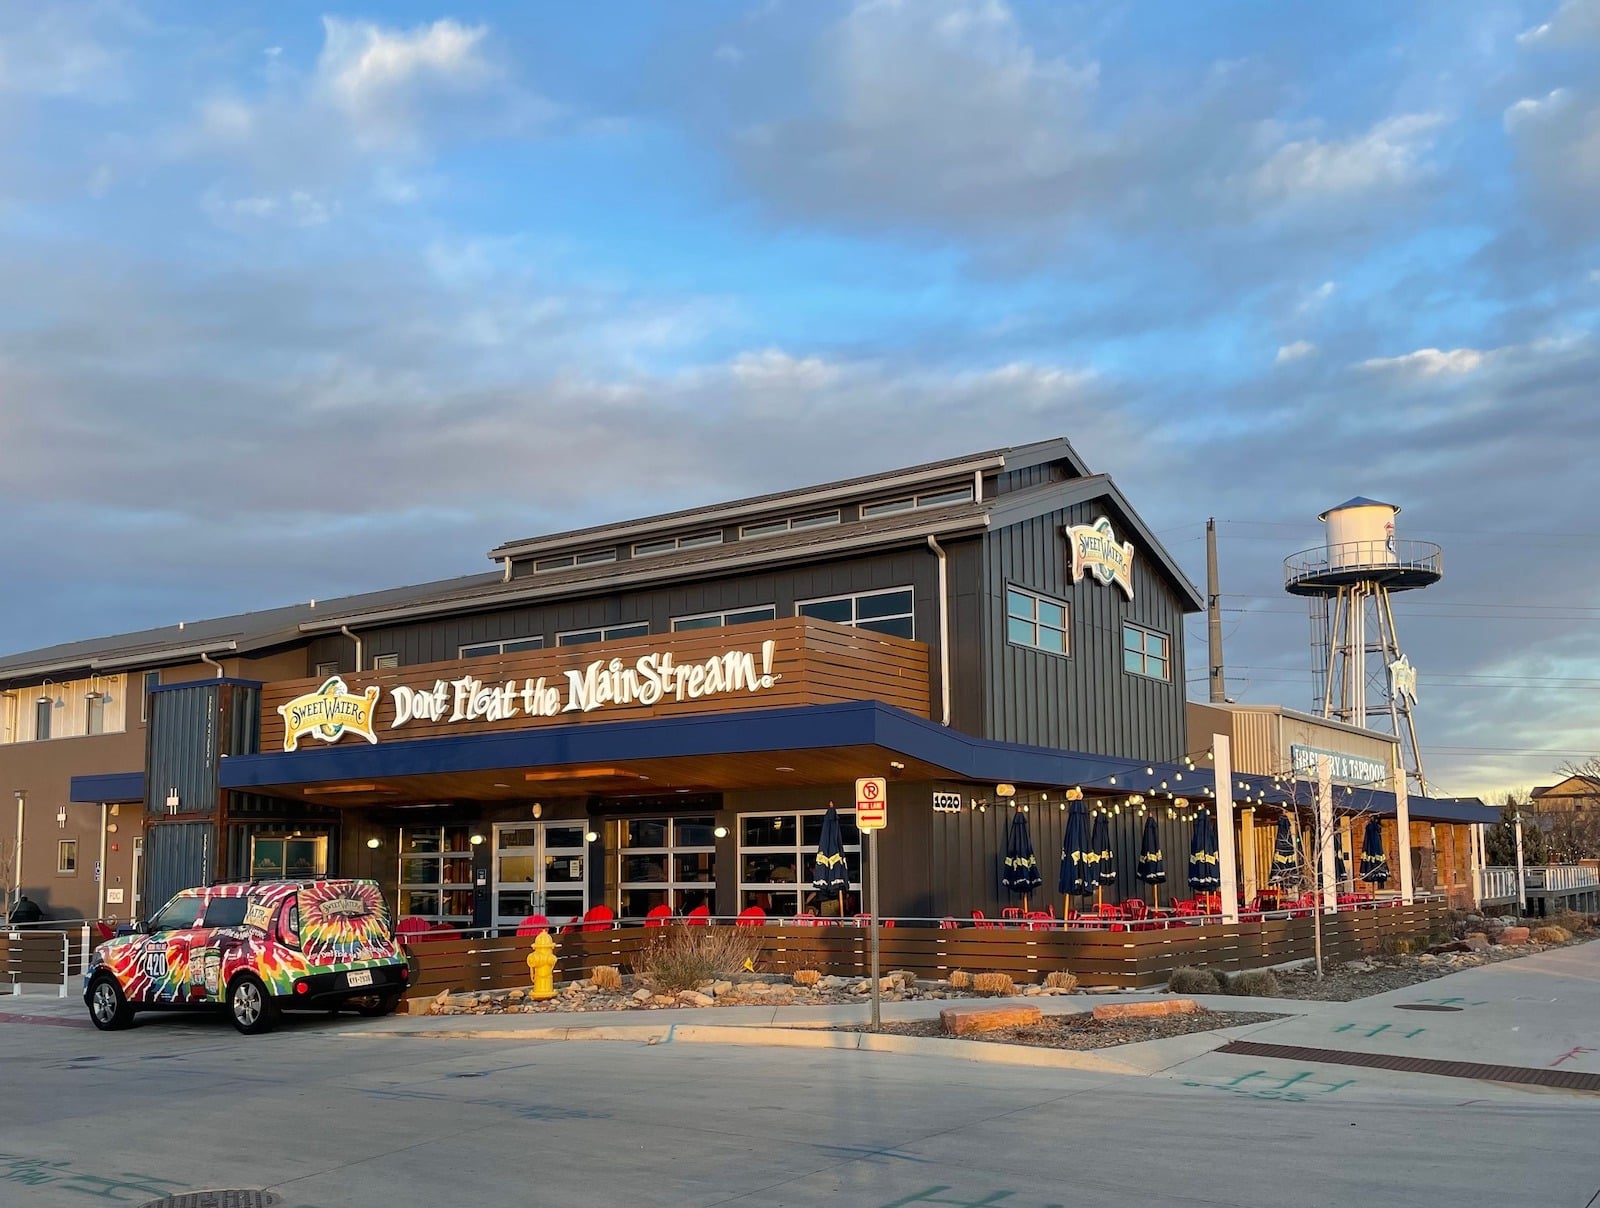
x: 1574, y: 795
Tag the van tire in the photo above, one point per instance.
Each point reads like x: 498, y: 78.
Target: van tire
x: 108, y: 1005
x: 384, y: 1004
x: 250, y: 1006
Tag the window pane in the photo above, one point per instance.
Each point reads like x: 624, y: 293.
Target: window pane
x: 654, y: 547
x: 636, y: 903
x: 699, y: 540
x: 582, y: 638
x: 767, y: 830
x: 593, y: 557
x: 519, y: 836
x: 266, y: 859
x: 1132, y: 639
x: 637, y: 630
x: 868, y: 511
x: 1053, y: 640
x: 697, y: 868
x: 1156, y: 667
x: 847, y: 828
x: 683, y: 623
x: 226, y: 912
x: 747, y: 615
x: 421, y: 901
x: 828, y: 610
x: 898, y: 628
x: 821, y: 520
x: 694, y: 832
x: 418, y: 872
x: 768, y: 529
x: 520, y: 644
x: 958, y: 495
x: 555, y: 563
x: 1018, y: 605
x: 1052, y: 614
x: 645, y: 832
x: 519, y: 870
x: 644, y: 868
x: 1156, y: 644
x: 566, y: 838
x: 1133, y: 661
x: 883, y: 604
x: 1019, y: 631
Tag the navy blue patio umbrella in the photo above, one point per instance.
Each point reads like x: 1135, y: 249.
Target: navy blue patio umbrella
x: 1077, y: 858
x: 1204, y: 873
x: 1152, y: 868
x: 1105, y: 861
x: 1286, y: 867
x: 1021, y: 874
x: 1374, y: 864
x: 1341, y: 866
x: 829, y: 873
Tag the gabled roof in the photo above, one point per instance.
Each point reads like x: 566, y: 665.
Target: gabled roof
x: 1015, y: 458
x: 230, y: 636
x: 1017, y: 506
x: 1577, y: 785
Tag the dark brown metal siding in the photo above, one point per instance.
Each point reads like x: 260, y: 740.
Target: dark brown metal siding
x: 185, y: 743
x: 1033, y: 476
x: 177, y: 855
x: 1085, y: 701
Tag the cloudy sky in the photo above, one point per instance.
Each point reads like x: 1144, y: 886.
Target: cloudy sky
x: 305, y: 301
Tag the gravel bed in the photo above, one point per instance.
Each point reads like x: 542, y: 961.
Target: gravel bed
x: 1084, y: 1031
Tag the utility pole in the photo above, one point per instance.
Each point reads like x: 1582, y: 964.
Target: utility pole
x: 1219, y: 684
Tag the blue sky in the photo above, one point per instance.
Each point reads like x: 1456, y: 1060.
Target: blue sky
x: 304, y: 300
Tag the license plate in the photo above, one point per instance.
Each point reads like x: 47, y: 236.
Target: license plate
x: 359, y: 977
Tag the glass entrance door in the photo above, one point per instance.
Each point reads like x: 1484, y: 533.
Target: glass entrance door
x: 540, y: 868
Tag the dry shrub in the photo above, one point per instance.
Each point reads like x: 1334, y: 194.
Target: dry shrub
x: 960, y: 979
x: 1192, y: 980
x: 681, y: 957
x: 1260, y: 983
x: 1061, y: 980
x: 1397, y: 945
x: 996, y: 984
x: 807, y: 977
x: 1571, y: 920
x: 1551, y: 935
x: 606, y: 977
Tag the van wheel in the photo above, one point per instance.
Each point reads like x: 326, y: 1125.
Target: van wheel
x: 382, y: 1004
x: 250, y: 1006
x: 108, y: 1006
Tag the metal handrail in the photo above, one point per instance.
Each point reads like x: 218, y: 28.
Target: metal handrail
x: 1358, y: 555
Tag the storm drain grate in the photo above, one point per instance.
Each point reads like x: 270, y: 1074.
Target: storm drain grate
x: 216, y: 1199
x: 1571, y: 1080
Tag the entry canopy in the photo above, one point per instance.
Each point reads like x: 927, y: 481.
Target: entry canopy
x: 802, y: 745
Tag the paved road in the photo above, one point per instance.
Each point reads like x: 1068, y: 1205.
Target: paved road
x: 332, y: 1114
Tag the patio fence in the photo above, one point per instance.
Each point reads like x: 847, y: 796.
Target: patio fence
x: 1129, y: 959
x: 43, y: 956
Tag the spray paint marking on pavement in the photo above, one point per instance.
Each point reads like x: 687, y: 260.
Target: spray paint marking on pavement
x: 1382, y: 1027
x: 1571, y: 1054
x: 1295, y: 1089
x: 935, y: 1195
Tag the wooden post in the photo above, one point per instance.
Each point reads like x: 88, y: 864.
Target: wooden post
x: 1247, y: 853
x: 1227, y: 869
x: 1402, y: 828
x: 1329, y: 882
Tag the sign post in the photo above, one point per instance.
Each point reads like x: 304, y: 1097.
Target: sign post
x: 872, y: 815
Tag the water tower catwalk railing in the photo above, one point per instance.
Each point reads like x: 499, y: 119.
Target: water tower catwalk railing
x: 1399, y: 565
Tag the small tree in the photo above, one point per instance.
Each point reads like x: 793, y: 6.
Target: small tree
x: 1500, y: 844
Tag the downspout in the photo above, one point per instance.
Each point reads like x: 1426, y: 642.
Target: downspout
x: 506, y: 577
x: 100, y: 894
x: 345, y: 629
x: 944, y: 630
x: 209, y: 661
x: 16, y: 875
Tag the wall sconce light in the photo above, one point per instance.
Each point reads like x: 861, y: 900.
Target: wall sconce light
x: 475, y: 840
x: 1076, y: 794
x: 111, y: 828
x: 721, y: 832
x: 1005, y: 790
x: 590, y: 837
x: 173, y: 801
x: 538, y: 809
x: 897, y: 765
x: 374, y: 842
x: 46, y: 697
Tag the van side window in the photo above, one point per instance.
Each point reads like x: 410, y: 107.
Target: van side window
x: 226, y: 912
x: 177, y: 914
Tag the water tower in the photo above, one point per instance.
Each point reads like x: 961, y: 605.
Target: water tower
x: 1360, y: 675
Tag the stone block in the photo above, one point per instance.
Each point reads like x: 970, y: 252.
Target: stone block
x: 1155, y: 1009
x: 1514, y: 935
x: 1476, y: 942
x: 959, y: 1021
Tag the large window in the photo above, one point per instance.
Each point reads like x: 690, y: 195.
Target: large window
x: 882, y: 611
x: 292, y: 857
x: 734, y: 616
x: 509, y: 646
x: 436, y: 873
x: 668, y: 862
x: 1145, y: 652
x: 1036, y: 621
x: 582, y: 637
x: 776, y: 852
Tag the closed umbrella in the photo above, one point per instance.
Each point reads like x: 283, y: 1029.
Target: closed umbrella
x: 1285, y: 856
x: 1105, y: 862
x: 1203, y: 870
x: 1374, y: 864
x: 1077, y: 863
x: 1152, y: 867
x: 829, y: 874
x: 1021, y: 873
x: 1341, y: 866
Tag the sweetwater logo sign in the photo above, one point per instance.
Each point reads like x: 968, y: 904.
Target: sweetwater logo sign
x: 648, y: 680
x: 328, y: 712
x: 1095, y: 549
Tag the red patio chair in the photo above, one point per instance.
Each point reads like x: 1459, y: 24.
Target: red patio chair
x: 658, y: 916
x: 599, y: 918
x: 1135, y: 908
x: 948, y: 924
x: 412, y: 925
x: 805, y: 918
x: 532, y: 925
x: 443, y: 931
x: 1012, y: 914
x: 700, y: 916
x: 983, y: 923
x: 750, y: 916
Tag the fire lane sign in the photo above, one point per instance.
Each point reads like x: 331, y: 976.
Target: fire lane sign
x: 872, y: 803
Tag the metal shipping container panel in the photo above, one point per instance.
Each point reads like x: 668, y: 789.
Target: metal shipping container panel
x: 176, y: 856
x: 184, y: 748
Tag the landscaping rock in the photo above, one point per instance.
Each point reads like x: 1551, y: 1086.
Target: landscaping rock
x: 1145, y: 1010
x: 1476, y: 942
x: 693, y: 998
x: 642, y: 996
x: 1514, y: 935
x: 959, y: 1021
x: 721, y: 988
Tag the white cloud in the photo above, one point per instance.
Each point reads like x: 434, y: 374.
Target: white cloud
x: 1575, y: 21
x: 1430, y: 361
x: 773, y: 368
x: 380, y: 77
x: 1295, y: 351
x: 1530, y: 108
x: 1391, y: 153
x: 296, y: 208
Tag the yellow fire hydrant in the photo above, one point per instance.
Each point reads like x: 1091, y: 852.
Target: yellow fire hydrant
x: 542, y: 966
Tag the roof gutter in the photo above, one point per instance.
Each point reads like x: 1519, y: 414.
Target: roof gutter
x: 165, y: 656
x: 975, y: 522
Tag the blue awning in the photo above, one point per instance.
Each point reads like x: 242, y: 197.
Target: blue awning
x: 108, y: 787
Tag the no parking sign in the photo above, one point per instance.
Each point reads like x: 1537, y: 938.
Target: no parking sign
x: 872, y: 803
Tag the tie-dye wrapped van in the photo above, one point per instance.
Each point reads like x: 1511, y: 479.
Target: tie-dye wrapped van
x: 256, y: 950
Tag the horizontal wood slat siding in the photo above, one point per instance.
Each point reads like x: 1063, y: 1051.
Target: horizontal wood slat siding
x: 814, y: 662
x: 1128, y: 959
